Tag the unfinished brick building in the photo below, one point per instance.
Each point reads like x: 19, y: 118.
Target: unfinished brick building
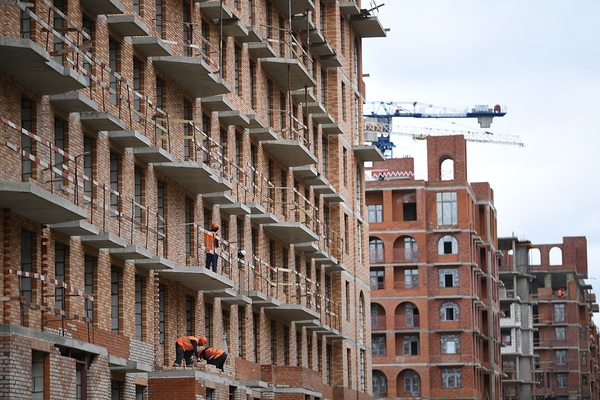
x: 128, y: 129
x: 558, y: 334
x: 434, y: 279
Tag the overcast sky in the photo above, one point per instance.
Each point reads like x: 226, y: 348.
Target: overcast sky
x: 541, y: 59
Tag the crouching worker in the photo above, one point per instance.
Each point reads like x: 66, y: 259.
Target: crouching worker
x: 214, y: 356
x: 186, y: 347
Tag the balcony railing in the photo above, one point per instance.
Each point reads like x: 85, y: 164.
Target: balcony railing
x: 378, y: 322
x: 406, y: 255
x: 406, y: 322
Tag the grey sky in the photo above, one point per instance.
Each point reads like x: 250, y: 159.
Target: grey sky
x: 541, y: 59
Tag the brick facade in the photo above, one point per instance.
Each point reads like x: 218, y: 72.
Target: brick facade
x: 127, y: 130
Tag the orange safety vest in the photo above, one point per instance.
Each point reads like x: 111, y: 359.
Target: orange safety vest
x: 210, y: 243
x: 211, y: 352
x: 186, y: 342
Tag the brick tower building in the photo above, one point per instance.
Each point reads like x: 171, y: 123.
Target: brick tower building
x: 128, y: 129
x: 434, y: 279
x: 564, y: 336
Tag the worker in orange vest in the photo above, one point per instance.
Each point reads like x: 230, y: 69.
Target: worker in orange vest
x: 214, y: 356
x: 211, y: 244
x: 186, y: 347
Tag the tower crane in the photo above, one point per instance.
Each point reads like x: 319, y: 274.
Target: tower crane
x: 379, y: 114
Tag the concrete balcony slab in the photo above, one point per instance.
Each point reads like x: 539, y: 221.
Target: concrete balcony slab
x: 368, y: 153
x: 367, y: 26
x: 153, y: 154
x: 263, y: 134
x: 332, y: 129
x: 313, y: 107
x: 333, y: 198
x: 34, y: 203
x: 215, y: 10
x: 75, y: 228
x: 233, y: 117
x: 127, y: 25
x: 196, y: 278
x: 331, y: 61
x: 261, y: 50
x: 290, y: 73
x: 193, y: 75
x: 102, y: 121
x: 297, y: 6
x: 253, y: 36
x: 100, y: 7
x: 256, y: 208
x: 261, y: 299
x: 323, y: 118
x: 216, y: 103
x: 71, y: 102
x: 348, y: 8
x: 229, y: 296
x: 219, y: 198
x: 291, y: 153
x: 322, y: 49
x: 235, y: 209
x: 291, y: 232
x: 234, y: 28
x: 128, y: 138
x: 305, y: 95
x: 292, y: 312
x: 131, y: 253
x: 154, y: 263
x: 195, y: 176
x: 151, y: 46
x: 255, y: 122
x: 104, y: 240
x: 307, y: 247
x: 261, y: 219
x: 28, y: 63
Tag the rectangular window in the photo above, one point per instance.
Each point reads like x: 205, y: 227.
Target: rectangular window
x: 113, y: 51
x: 187, y: 127
x: 189, y: 315
x: 561, y: 357
x: 451, y: 378
x: 411, y: 278
x: 89, y: 266
x: 237, y: 68
x: 241, y: 328
x: 161, y: 313
x: 38, y: 375
x: 447, y: 208
x: 88, y: 169
x: 226, y: 326
x: 114, y: 299
x: 410, y: 345
x: 138, y: 183
x: 273, y: 342
x: 208, y: 311
x: 559, y: 312
x: 60, y: 273
x: 255, y: 335
x: 379, y: 345
x: 158, y: 21
x: 377, y: 279
x: 448, y: 277
x: 560, y: 333
x: 561, y: 380
x: 450, y: 344
x: 189, y: 229
x: 27, y: 114
x: 114, y: 181
x: 160, y: 209
x: 139, y: 307
x: 375, y: 212
x: 409, y: 211
x: 286, y: 345
x: 60, y: 139
x: 138, y: 76
x: 328, y: 360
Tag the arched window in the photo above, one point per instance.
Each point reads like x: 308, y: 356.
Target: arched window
x: 411, y: 382
x: 448, y: 245
x: 376, y: 250
x: 449, y: 312
x: 379, y: 384
x: 555, y: 256
x: 447, y: 169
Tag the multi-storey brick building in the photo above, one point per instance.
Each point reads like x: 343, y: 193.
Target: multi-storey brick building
x: 434, y: 278
x: 128, y: 128
x: 564, y: 336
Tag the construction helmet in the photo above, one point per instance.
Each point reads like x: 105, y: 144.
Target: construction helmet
x: 202, y: 340
x: 215, y: 226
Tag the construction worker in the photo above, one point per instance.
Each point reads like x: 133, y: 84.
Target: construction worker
x: 186, y: 347
x: 214, y: 356
x: 211, y: 244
